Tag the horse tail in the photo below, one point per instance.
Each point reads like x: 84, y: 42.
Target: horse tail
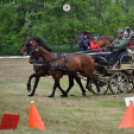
x: 100, y: 60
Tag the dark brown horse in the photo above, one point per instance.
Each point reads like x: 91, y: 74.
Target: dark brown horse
x: 103, y: 41
x: 40, y: 72
x: 76, y: 63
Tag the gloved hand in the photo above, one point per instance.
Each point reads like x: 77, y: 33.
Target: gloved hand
x: 110, y: 47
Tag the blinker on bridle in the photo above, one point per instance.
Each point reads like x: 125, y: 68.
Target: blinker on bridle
x: 34, y: 47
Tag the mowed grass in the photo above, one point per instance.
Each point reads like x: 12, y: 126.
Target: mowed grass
x: 73, y: 115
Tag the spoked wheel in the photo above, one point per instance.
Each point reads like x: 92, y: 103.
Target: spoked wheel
x: 103, y: 85
x: 118, y: 83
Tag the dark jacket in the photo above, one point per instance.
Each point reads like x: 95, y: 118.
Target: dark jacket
x: 84, y: 43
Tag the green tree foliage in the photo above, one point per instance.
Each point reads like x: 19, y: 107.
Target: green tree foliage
x: 46, y: 19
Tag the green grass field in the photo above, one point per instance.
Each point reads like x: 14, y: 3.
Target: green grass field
x: 73, y: 115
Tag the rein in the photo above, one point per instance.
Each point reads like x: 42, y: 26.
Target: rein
x: 74, y: 53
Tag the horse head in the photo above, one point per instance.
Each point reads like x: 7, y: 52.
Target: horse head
x: 30, y: 45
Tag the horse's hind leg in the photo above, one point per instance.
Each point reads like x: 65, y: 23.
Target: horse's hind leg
x: 35, y: 86
x: 63, y: 92
x: 98, y: 89
x: 54, y: 89
x: 87, y: 85
x: 95, y: 81
x: 78, y: 80
x: 71, y: 83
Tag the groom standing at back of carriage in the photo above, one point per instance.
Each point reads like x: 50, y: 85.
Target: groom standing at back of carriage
x: 117, y: 47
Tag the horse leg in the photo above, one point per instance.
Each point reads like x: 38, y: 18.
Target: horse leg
x: 29, y: 81
x: 57, y: 84
x: 38, y: 74
x: 95, y: 81
x: 57, y: 76
x: 54, y: 89
x: 87, y: 85
x: 71, y: 83
x: 63, y: 92
x: 78, y: 80
x: 35, y: 86
x: 98, y: 89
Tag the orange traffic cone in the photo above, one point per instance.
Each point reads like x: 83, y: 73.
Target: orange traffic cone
x: 34, y: 118
x: 128, y: 119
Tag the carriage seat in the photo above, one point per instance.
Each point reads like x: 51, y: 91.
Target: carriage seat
x: 124, y: 58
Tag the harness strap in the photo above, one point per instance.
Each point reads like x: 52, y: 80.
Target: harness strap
x: 55, y: 56
x: 65, y: 59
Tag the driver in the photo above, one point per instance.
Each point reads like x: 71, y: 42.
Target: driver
x: 118, y: 46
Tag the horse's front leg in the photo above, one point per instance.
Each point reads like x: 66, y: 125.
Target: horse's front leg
x: 57, y: 84
x: 38, y: 74
x: 71, y: 83
x: 57, y: 76
x: 35, y: 86
x: 29, y: 81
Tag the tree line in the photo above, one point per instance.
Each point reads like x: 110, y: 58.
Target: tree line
x: 46, y: 19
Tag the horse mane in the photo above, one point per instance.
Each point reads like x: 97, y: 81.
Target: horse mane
x: 42, y: 43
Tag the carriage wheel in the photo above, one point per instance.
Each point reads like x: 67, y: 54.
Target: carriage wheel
x: 102, y: 85
x: 118, y: 83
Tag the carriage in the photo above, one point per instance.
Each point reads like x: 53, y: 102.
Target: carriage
x: 118, y: 79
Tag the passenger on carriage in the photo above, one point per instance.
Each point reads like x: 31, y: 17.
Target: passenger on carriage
x: 95, y: 37
x: 84, y: 42
x: 118, y: 47
x: 128, y: 33
x: 95, y: 47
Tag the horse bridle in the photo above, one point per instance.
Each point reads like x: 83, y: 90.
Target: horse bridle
x: 34, y: 47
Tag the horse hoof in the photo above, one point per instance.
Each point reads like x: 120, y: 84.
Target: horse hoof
x: 84, y: 94
x: 30, y: 95
x: 63, y: 95
x: 51, y: 96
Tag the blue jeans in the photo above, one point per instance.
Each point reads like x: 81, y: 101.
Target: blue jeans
x: 112, y: 58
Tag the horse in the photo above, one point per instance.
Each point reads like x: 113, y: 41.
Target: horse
x: 40, y: 72
x: 107, y: 37
x: 103, y: 41
x: 81, y: 62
